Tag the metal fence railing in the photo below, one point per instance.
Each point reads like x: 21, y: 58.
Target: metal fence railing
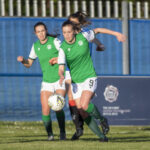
x: 63, y: 8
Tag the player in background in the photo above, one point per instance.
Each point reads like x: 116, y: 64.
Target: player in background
x: 46, y: 48
x: 81, y: 20
x: 75, y: 52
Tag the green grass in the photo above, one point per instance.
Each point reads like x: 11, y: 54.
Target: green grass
x: 32, y: 136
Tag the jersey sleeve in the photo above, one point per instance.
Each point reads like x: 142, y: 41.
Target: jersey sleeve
x: 61, y: 57
x: 89, y: 35
x: 32, y: 54
x: 57, y: 43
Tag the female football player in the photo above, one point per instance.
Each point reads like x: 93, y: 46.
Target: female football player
x: 46, y: 48
x: 81, y: 20
x: 75, y: 52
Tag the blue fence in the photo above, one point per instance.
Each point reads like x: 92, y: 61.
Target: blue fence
x: 140, y: 47
x: 20, y: 87
x: 17, y: 36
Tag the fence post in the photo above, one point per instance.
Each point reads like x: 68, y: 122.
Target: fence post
x: 43, y: 8
x: 84, y: 6
x: 146, y: 10
x: 19, y: 13
x: 11, y: 10
x: 138, y: 10
x: 108, y: 9
x: 130, y: 9
x: 35, y: 8
x: 2, y: 7
x: 27, y: 5
x: 92, y: 9
x: 125, y: 53
x: 75, y: 2
x: 116, y: 10
x: 100, y: 9
x: 59, y: 8
x: 67, y: 8
x: 51, y: 2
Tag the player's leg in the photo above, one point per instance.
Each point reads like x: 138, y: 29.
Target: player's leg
x: 76, y: 117
x: 46, y: 110
x: 93, y: 111
x: 79, y: 95
x: 90, y: 85
x: 89, y: 120
x: 60, y: 115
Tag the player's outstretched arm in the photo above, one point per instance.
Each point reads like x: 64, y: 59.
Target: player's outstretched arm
x: 120, y: 37
x: 26, y: 62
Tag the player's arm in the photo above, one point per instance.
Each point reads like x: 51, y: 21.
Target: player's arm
x: 26, y: 62
x: 61, y: 73
x: 61, y: 62
x: 120, y: 37
x: 57, y: 44
x: 100, y: 46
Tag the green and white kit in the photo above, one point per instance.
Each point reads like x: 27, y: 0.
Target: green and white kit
x: 45, y: 52
x: 77, y: 56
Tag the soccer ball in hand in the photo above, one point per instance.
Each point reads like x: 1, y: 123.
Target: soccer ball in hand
x: 56, y: 102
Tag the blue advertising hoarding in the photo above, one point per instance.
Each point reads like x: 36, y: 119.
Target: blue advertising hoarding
x: 124, y: 100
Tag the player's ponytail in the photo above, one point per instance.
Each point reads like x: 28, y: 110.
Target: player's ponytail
x: 82, y: 18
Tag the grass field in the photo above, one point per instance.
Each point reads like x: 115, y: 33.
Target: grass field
x: 32, y: 136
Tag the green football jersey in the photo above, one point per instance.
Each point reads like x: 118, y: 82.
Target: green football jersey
x: 78, y: 59
x: 45, y: 52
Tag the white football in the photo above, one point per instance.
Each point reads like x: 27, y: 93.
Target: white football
x: 56, y: 102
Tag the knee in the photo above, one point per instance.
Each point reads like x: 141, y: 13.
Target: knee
x: 84, y: 106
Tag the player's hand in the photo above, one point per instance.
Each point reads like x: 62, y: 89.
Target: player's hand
x: 120, y: 37
x: 101, y: 47
x: 20, y: 58
x: 53, y: 61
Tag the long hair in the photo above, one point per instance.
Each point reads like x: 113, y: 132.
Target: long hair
x: 47, y: 34
x: 82, y: 18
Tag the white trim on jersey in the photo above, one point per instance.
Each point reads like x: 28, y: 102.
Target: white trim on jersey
x: 57, y: 43
x: 89, y: 35
x: 32, y: 54
x: 61, y: 57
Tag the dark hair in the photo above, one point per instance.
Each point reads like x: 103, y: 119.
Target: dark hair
x: 74, y: 26
x: 82, y: 18
x: 42, y: 24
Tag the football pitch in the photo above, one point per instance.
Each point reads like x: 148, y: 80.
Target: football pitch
x: 32, y: 136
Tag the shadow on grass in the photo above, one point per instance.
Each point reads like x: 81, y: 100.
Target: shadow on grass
x: 43, y: 138
x: 130, y: 139
x: 146, y: 129
x: 121, y: 139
